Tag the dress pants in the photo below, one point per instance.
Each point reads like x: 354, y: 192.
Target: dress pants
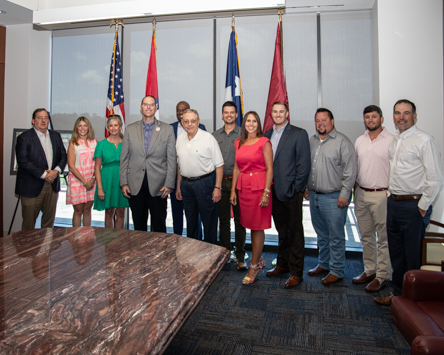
x: 225, y: 223
x: 371, y: 213
x: 46, y: 202
x: 141, y: 203
x: 328, y: 221
x: 405, y: 231
x: 198, y: 199
x: 287, y: 217
x: 177, y: 209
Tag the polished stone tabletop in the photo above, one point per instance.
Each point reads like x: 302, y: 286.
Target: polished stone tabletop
x: 99, y: 291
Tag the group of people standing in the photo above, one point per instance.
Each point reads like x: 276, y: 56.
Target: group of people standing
x: 253, y: 175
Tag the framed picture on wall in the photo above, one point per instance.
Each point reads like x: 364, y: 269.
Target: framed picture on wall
x: 14, y: 166
x: 66, y: 136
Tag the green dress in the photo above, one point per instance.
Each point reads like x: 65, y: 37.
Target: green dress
x: 110, y: 156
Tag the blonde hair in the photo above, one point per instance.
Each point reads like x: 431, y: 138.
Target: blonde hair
x: 115, y: 118
x: 75, y: 133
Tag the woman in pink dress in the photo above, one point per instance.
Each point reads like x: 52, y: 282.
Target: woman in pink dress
x: 81, y: 180
x: 252, y: 177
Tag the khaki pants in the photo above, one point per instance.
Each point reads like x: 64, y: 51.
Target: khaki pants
x: 45, y: 202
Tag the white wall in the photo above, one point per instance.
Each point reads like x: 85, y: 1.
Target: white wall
x: 410, y: 57
x: 27, y: 82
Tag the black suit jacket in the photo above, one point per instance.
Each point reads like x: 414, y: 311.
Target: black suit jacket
x: 292, y: 162
x: 32, y: 162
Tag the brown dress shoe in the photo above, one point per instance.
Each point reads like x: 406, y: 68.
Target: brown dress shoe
x: 330, y: 279
x: 316, y: 271
x: 277, y: 270
x: 376, y: 286
x: 363, y: 278
x: 385, y: 301
x: 293, y: 281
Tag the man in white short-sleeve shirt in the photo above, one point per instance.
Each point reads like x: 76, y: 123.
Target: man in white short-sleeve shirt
x: 200, y: 167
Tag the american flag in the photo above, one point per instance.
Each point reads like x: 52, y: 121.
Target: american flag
x: 115, y: 102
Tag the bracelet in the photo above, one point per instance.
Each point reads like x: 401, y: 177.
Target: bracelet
x: 220, y: 188
x: 268, y: 190
x: 84, y: 184
x: 265, y: 195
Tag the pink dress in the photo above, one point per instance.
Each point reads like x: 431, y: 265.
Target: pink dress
x: 76, y: 193
x: 251, y: 184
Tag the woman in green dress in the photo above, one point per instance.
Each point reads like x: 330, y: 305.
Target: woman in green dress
x: 109, y: 196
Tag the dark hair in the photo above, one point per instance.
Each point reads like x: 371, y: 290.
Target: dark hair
x: 373, y: 108
x: 322, y: 109
x: 280, y: 103
x: 141, y: 102
x: 405, y: 101
x: 244, y: 133
x: 229, y: 104
x: 36, y: 111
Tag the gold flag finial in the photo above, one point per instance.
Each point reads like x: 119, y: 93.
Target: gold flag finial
x: 116, y: 22
x: 232, y: 21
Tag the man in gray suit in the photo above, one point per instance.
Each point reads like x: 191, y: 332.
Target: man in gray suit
x: 291, y: 167
x: 148, y: 167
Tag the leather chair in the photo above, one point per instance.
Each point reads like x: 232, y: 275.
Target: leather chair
x: 433, y: 250
x: 419, y: 312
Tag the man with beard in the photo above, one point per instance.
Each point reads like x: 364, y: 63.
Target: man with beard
x: 371, y: 199
x: 226, y: 136
x: 415, y: 178
x: 330, y: 183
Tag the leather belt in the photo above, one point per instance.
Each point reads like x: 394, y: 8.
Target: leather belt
x: 406, y: 197
x: 197, y: 177
x: 227, y: 178
x: 319, y: 193
x: 373, y: 190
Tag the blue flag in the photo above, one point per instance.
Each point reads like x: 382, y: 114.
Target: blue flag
x: 233, y: 88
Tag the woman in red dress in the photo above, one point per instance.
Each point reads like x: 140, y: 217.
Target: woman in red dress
x: 252, y: 177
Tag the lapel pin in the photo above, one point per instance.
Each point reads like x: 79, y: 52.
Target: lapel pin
x: 157, y: 129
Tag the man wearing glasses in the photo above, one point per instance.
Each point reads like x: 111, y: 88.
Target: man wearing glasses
x: 199, y: 176
x: 148, y: 167
x: 41, y: 157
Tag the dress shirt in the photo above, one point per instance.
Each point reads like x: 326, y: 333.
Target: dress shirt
x: 226, y: 145
x: 148, y: 129
x: 373, y: 160
x: 333, y: 166
x: 45, y: 140
x: 276, y: 137
x: 415, y: 166
x: 199, y: 156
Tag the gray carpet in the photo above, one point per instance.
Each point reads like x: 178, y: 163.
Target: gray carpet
x: 264, y: 318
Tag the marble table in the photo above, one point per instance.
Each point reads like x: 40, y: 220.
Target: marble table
x: 99, y: 291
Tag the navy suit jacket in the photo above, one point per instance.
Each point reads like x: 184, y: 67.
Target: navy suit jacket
x: 292, y: 162
x: 32, y: 162
x: 201, y: 126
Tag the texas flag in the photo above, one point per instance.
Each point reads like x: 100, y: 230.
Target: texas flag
x: 233, y: 88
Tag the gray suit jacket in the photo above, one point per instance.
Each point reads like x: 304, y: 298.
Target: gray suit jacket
x: 159, y: 163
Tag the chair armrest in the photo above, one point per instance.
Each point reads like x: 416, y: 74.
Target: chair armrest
x: 423, y: 285
x: 427, y: 344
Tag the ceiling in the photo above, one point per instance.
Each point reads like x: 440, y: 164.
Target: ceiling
x: 15, y: 14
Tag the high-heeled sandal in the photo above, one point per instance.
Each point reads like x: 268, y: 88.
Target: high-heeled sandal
x: 260, y: 265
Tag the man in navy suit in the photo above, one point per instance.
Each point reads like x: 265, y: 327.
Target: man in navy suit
x: 41, y: 157
x: 291, y: 163
x: 177, y: 206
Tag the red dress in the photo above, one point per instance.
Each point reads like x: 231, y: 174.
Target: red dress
x: 251, y: 184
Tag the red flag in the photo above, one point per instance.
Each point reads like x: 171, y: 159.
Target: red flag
x: 151, y: 77
x: 278, y: 86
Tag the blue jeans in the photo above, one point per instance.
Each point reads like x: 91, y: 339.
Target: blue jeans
x: 198, y: 200
x: 405, y: 231
x: 328, y: 221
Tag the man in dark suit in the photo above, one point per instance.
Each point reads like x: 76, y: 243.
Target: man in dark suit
x: 41, y: 157
x: 176, y: 205
x: 148, y: 167
x: 291, y: 163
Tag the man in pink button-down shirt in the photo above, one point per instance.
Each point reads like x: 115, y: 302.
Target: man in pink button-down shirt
x: 371, y: 200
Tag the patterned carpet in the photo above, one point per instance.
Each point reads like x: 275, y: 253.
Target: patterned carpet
x: 264, y: 318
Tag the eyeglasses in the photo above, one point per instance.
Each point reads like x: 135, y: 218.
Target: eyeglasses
x: 189, y: 122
